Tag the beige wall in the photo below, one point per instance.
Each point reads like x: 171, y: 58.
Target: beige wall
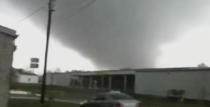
x: 58, y: 79
x: 6, y: 56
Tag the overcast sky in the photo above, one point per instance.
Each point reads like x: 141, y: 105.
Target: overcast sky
x: 111, y: 34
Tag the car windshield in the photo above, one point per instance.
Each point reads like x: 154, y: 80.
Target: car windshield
x: 121, y: 97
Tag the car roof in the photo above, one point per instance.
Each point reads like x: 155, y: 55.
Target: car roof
x: 110, y: 93
x: 115, y: 92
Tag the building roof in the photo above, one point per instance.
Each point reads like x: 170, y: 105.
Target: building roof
x: 183, y: 69
x: 27, y: 73
x: 132, y: 71
x: 160, y: 69
x: 8, y: 32
x: 23, y: 72
x: 105, y: 72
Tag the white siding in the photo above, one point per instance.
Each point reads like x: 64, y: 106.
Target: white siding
x: 58, y: 79
x: 28, y: 79
x: 61, y: 79
x: 195, y: 83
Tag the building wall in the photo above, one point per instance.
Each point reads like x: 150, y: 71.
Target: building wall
x: 195, y: 83
x: 63, y: 79
x: 207, y: 86
x: 6, y: 56
x: 57, y: 79
x: 28, y: 79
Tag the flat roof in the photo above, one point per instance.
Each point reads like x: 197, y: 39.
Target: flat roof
x: 8, y: 31
x: 23, y: 72
x: 183, y: 69
x: 105, y: 72
x: 132, y: 71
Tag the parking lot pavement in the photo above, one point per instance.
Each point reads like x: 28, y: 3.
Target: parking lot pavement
x: 77, y: 101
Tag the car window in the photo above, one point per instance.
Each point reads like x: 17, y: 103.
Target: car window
x: 100, y: 97
x: 120, y: 97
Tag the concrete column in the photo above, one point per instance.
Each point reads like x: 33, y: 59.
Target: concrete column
x: 95, y: 83
x: 81, y: 82
x: 90, y: 82
x: 52, y: 79
x: 110, y: 82
x: 102, y: 82
x: 125, y: 82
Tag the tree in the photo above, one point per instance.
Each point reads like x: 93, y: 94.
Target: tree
x: 202, y: 65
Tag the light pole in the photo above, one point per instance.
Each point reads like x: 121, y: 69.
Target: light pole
x: 43, y: 87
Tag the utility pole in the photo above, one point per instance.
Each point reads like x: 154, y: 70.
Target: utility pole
x: 43, y: 88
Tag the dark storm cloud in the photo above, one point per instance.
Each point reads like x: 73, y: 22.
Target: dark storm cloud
x: 118, y: 33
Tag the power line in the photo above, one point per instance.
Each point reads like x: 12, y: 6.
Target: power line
x: 31, y: 14
x: 82, y: 8
x: 87, y: 5
x: 44, y: 6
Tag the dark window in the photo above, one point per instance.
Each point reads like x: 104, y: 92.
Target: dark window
x: 29, y: 79
x: 100, y: 97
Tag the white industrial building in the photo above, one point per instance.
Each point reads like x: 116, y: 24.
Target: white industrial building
x: 7, y: 47
x: 24, y: 77
x: 27, y: 78
x: 194, y: 83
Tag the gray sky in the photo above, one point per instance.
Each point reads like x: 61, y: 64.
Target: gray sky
x: 126, y: 33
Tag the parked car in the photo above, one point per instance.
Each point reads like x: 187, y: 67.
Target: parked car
x: 111, y: 99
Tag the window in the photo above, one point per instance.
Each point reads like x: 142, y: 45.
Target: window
x: 29, y: 79
x: 100, y: 97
